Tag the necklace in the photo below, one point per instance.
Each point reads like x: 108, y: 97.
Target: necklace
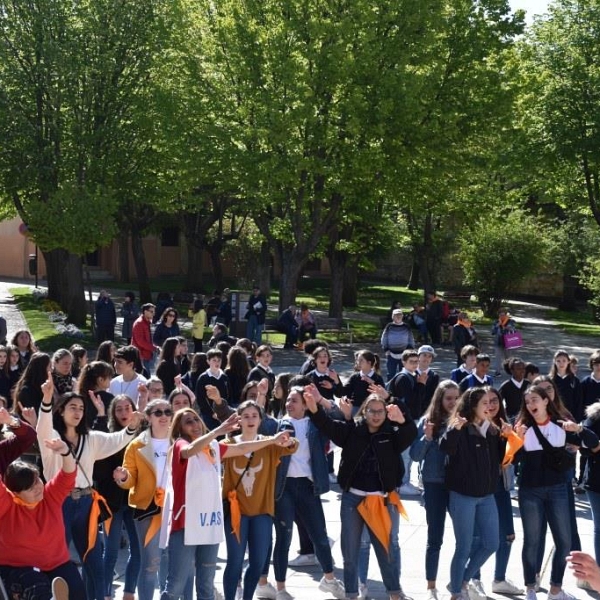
x: 125, y: 385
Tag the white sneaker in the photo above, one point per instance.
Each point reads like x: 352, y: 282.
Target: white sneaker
x: 304, y: 560
x: 283, y: 595
x: 402, y: 595
x: 408, y: 489
x: 333, y: 587
x: 432, y: 594
x: 506, y: 586
x: 562, y: 595
x: 531, y: 594
x: 60, y: 589
x: 266, y: 591
x: 363, y: 591
x: 476, y: 591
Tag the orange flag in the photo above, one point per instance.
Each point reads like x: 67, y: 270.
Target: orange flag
x: 235, y: 513
x: 159, y: 500
x: 513, y: 445
x: 97, y: 499
x: 374, y: 511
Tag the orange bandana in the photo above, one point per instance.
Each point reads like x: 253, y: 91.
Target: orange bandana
x: 375, y: 514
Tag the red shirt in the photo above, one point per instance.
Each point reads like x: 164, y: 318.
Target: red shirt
x: 141, y: 338
x: 35, y: 537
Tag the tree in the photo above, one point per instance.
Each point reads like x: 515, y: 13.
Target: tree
x: 498, y: 253
x: 69, y: 74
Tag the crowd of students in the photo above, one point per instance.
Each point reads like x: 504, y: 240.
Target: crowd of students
x: 215, y: 447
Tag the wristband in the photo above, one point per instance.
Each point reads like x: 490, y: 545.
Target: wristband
x: 130, y: 431
x: 68, y: 452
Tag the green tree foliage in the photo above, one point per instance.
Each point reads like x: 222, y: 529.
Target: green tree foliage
x: 561, y: 101
x: 498, y: 253
x: 70, y: 74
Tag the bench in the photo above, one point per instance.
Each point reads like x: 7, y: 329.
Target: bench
x: 458, y: 298
x: 339, y: 326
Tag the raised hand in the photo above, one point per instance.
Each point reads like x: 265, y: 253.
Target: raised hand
x: 380, y: 391
x: 428, y: 429
x: 346, y: 407
x: 458, y: 422
x: 5, y: 416
x: 28, y: 414
x: 98, y: 404
x: 48, y: 388
x: 57, y: 445
x: 395, y: 414
x: 231, y: 424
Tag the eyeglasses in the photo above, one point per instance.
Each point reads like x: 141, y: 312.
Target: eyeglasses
x: 375, y: 413
x: 159, y: 413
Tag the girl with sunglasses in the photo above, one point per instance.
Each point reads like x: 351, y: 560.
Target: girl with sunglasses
x: 144, y: 474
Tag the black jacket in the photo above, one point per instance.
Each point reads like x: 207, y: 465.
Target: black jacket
x: 354, y: 439
x: 473, y: 460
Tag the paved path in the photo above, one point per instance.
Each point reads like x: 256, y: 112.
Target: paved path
x: 541, y: 338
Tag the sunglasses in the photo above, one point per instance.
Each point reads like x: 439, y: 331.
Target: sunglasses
x: 191, y: 420
x: 159, y: 413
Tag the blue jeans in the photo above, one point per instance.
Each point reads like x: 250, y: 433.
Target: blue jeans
x: 436, y: 498
x: 394, y: 365
x: 256, y: 533
x: 506, y: 532
x: 112, y: 541
x: 594, y: 500
x: 299, y: 497
x: 181, y: 562
x: 469, y: 515
x: 352, y: 528
x: 150, y: 555
x: 76, y: 515
x: 407, y: 461
x: 538, y: 506
x: 163, y: 573
x: 254, y: 330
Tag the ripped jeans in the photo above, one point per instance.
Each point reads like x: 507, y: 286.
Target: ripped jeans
x: 150, y: 554
x: 181, y: 563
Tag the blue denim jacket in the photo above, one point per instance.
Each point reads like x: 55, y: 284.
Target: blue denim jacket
x: 317, y: 442
x: 428, y: 453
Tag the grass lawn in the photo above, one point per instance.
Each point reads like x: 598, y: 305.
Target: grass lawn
x: 44, y: 333
x: 581, y: 322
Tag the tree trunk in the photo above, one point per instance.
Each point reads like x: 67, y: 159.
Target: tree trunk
x: 291, y: 269
x: 350, y: 297
x: 425, y: 256
x: 215, y: 250
x: 264, y: 269
x: 337, y: 264
x: 194, y: 278
x: 568, y: 301
x: 139, y: 259
x: 65, y: 284
x: 124, y: 276
x: 413, y: 282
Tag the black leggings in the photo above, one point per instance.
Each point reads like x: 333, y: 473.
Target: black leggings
x: 29, y: 584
